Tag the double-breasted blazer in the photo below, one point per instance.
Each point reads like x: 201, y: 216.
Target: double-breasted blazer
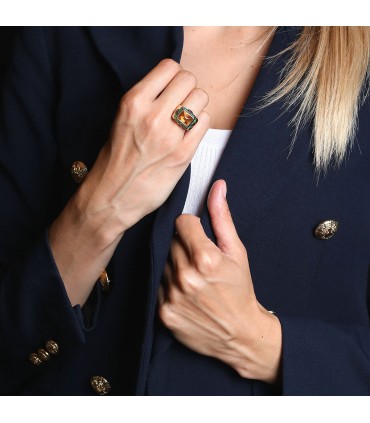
x: 59, y: 96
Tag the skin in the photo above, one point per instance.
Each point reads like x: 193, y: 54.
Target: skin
x: 208, y: 301
x: 226, y: 71
x: 146, y: 149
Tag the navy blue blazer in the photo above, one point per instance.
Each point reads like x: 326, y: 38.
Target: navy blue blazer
x: 58, y: 99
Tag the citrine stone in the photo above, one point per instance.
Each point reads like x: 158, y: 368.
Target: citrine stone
x: 185, y: 117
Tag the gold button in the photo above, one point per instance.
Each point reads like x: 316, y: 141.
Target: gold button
x: 52, y: 347
x: 35, y: 359
x: 104, y: 281
x: 100, y: 385
x: 44, y: 355
x: 326, y: 229
x: 79, y: 171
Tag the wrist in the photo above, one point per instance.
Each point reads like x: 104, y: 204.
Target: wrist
x: 81, y: 248
x: 260, y: 345
x: 100, y: 222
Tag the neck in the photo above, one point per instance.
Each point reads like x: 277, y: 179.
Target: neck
x: 240, y: 34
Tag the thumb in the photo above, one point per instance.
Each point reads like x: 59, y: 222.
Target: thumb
x: 222, y: 222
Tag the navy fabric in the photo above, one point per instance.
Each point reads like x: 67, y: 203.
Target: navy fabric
x: 7, y: 34
x: 59, y: 95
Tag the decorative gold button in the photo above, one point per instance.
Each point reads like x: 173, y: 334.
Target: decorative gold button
x: 100, y: 385
x: 326, y: 229
x: 44, y: 355
x: 52, y: 347
x: 79, y: 171
x: 35, y: 359
x: 104, y: 281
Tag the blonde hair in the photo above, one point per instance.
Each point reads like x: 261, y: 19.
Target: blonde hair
x: 327, y: 69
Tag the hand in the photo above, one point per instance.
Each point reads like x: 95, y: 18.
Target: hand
x: 208, y: 301
x: 147, y: 152
x: 134, y: 173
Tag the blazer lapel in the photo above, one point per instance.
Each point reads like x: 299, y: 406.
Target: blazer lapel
x: 255, y: 162
x: 133, y: 51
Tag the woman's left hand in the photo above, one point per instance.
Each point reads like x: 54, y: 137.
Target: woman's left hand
x: 208, y: 300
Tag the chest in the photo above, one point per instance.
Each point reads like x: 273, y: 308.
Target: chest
x: 274, y: 200
x: 226, y: 68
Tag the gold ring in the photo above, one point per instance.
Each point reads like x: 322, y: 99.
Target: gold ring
x: 184, y: 117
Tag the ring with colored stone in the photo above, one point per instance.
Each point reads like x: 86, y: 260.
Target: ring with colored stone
x: 184, y: 117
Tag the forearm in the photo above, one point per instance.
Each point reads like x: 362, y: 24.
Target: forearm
x: 121, y: 187
x: 81, y: 248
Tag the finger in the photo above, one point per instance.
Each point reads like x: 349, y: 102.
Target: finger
x: 176, y: 91
x: 167, y: 276
x: 192, y: 138
x: 222, y: 223
x: 161, y: 295
x: 155, y: 81
x: 177, y: 258
x: 191, y: 233
x: 172, y: 284
x: 196, y: 101
x: 178, y: 263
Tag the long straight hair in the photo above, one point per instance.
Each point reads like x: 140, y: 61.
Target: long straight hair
x: 327, y: 77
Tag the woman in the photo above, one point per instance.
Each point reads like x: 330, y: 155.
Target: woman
x: 109, y: 285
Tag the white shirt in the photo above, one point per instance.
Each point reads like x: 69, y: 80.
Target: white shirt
x: 203, y: 166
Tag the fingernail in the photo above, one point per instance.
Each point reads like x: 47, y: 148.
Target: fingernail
x: 224, y: 190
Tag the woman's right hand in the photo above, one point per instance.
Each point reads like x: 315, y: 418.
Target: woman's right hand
x: 147, y: 152
x: 134, y: 173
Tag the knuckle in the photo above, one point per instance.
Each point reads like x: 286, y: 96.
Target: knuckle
x: 184, y: 220
x: 205, y: 119
x: 171, y: 64
x: 189, y: 75
x: 185, y: 278
x: 205, y: 261
x: 180, y: 218
x: 202, y: 93
x: 167, y: 315
x: 131, y: 103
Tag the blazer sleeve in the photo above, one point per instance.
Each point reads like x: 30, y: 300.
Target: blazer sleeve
x: 324, y: 358
x: 34, y: 306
